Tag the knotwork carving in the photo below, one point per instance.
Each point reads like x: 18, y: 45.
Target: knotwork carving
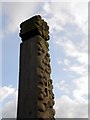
x: 45, y: 96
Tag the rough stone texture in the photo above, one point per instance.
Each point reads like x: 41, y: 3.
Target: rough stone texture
x: 35, y: 98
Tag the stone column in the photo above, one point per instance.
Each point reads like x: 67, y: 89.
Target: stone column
x: 35, y: 96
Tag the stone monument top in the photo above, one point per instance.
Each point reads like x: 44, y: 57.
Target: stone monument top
x: 35, y: 91
x: 34, y: 26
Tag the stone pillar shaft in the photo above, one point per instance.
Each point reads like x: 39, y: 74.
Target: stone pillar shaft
x: 35, y: 97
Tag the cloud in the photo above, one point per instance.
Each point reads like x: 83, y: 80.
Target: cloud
x: 1, y: 35
x: 62, y: 87
x: 81, y: 8
x: 61, y: 13
x: 77, y: 69
x: 58, y: 13
x: 10, y: 109
x: 74, y: 44
x: 59, y: 61
x: 9, y: 101
x: 6, y: 91
x: 79, y: 51
x: 66, y: 62
x: 16, y: 13
x: 70, y: 108
x: 81, y: 90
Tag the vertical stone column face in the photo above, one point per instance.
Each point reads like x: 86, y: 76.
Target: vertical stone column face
x: 35, y: 98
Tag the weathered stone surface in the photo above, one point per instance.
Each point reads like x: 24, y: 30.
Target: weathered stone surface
x: 36, y: 98
x: 34, y: 26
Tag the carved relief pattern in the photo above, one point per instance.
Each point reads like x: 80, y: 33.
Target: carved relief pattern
x: 45, y: 95
x: 31, y: 28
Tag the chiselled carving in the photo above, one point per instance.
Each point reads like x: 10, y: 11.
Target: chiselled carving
x: 37, y: 27
x: 45, y: 97
x: 41, y: 96
x: 41, y: 80
x: 39, y: 47
x: 41, y: 106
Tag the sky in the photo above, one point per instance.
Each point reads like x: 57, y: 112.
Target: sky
x: 68, y: 44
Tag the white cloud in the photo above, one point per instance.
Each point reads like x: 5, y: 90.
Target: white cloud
x: 59, y: 16
x: 9, y: 107
x: 10, y: 95
x: 71, y: 49
x: 17, y: 12
x: 6, y: 91
x: 46, y: 8
x: 70, y: 108
x: 66, y: 62
x: 62, y: 86
x: 59, y: 61
x: 77, y: 69
x: 1, y: 35
x: 64, y: 12
x: 81, y: 91
x: 80, y: 67
x: 60, y: 13
x: 81, y: 19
